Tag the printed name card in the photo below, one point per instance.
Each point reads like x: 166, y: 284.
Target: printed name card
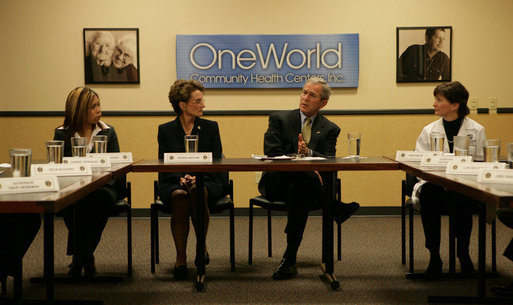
x: 29, y: 184
x: 101, y: 162
x: 502, y: 176
x: 408, y: 155
x: 442, y: 161
x: 204, y: 157
x: 61, y: 169
x: 473, y: 168
x: 121, y: 157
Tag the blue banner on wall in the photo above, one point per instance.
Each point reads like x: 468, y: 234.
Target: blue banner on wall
x: 268, y: 61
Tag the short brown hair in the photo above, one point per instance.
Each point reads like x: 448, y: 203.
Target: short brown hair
x: 181, y: 91
x: 454, y: 92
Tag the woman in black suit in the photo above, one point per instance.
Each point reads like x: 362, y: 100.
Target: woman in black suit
x: 82, y: 119
x: 178, y: 190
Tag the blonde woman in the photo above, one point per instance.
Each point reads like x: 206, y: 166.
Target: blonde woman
x: 82, y: 119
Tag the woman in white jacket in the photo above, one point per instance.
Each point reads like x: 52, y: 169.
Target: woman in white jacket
x: 451, y: 105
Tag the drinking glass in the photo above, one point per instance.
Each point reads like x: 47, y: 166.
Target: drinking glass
x: 78, y: 146
x: 436, y: 141
x: 54, y: 151
x: 510, y: 155
x: 21, y: 159
x: 191, y: 143
x: 100, y: 144
x: 492, y: 150
x: 353, y: 143
x: 461, y: 144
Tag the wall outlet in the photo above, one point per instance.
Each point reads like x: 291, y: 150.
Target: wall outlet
x: 473, y: 103
x: 493, y: 103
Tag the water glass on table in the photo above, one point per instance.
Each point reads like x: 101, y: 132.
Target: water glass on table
x: 492, y: 150
x: 54, y: 151
x: 191, y: 143
x: 436, y: 141
x: 461, y: 144
x: 21, y: 159
x: 510, y: 155
x: 78, y: 146
x: 353, y: 143
x: 100, y: 144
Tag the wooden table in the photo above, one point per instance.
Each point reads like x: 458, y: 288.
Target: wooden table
x: 71, y: 190
x: 247, y: 164
x: 493, y: 196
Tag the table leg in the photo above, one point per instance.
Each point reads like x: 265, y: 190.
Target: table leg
x: 327, y: 231
x: 200, y: 233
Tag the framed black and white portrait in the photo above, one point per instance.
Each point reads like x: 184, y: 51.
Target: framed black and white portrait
x: 111, y: 56
x: 424, y: 54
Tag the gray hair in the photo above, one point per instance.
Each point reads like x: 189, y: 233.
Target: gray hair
x: 326, y: 90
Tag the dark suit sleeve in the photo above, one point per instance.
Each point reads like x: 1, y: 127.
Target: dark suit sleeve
x: 60, y: 134
x: 118, y: 185
x: 330, y: 145
x: 168, y: 182
x: 273, y: 143
x: 217, y: 147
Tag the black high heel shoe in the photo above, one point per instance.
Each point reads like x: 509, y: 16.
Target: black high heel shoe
x: 75, y: 268
x: 207, y: 260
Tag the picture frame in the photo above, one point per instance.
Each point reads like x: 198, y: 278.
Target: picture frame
x: 111, y: 56
x: 424, y: 54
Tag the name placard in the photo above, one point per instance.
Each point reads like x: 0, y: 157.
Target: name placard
x: 409, y: 155
x: 203, y: 157
x: 120, y: 157
x: 442, y: 161
x: 100, y: 161
x: 28, y: 184
x: 502, y: 176
x: 61, y: 169
x: 473, y: 168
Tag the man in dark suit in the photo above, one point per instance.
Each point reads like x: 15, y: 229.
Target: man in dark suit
x: 302, y: 131
x: 506, y: 217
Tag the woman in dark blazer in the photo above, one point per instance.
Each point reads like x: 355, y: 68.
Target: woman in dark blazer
x: 82, y: 119
x: 178, y: 190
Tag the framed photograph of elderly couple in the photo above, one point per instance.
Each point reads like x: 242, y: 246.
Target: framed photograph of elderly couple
x: 111, y: 56
x: 424, y: 54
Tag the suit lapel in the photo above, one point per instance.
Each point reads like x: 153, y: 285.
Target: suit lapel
x: 294, y: 127
x: 317, y: 128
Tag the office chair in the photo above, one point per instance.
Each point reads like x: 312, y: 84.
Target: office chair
x: 262, y: 202
x: 222, y: 204
x: 407, y: 203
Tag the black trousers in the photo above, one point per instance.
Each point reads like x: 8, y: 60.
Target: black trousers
x: 506, y: 218
x: 8, y: 223
x: 434, y: 202
x: 303, y: 192
x: 92, y: 213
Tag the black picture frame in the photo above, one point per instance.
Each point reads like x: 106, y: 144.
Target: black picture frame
x: 111, y: 56
x: 424, y: 54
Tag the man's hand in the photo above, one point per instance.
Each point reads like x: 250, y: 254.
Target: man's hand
x: 302, y: 149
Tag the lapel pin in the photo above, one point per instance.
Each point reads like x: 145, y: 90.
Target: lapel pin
x: 318, y: 132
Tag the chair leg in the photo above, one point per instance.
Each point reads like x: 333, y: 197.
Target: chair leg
x: 403, y: 225
x: 269, y: 235
x: 157, y: 252
x: 250, y: 239
x: 232, y: 238
x: 494, y: 247
x: 452, y: 247
x: 129, y: 239
x: 152, y: 238
x: 410, y: 212
x: 339, y: 241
